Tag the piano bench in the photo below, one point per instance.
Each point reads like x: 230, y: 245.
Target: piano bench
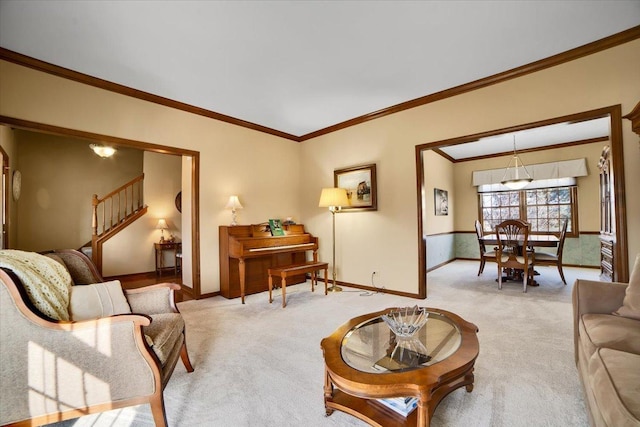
x: 295, y: 270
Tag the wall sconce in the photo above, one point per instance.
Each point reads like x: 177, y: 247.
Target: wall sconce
x: 102, y: 150
x: 162, y: 225
x: 233, y: 204
x: 334, y: 199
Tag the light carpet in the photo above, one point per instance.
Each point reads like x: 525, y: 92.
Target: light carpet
x: 261, y: 365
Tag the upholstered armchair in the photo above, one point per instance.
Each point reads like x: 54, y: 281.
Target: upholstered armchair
x: 53, y: 370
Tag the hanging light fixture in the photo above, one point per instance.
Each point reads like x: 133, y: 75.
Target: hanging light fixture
x: 513, y: 178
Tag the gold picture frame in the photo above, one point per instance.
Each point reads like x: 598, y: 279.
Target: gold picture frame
x: 362, y: 188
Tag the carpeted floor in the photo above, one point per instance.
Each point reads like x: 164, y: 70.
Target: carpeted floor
x: 261, y: 365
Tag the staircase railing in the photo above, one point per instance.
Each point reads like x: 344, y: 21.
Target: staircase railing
x: 114, y: 208
x: 113, y: 212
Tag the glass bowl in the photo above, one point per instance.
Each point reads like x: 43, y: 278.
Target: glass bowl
x: 405, y: 322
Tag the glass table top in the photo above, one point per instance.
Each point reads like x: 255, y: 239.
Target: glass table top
x: 372, y: 347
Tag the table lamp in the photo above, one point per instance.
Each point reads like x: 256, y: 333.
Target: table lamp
x: 233, y: 204
x: 162, y: 225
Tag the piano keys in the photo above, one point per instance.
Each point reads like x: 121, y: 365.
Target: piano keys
x: 247, y: 253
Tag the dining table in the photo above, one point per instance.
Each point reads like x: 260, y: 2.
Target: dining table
x: 539, y: 240
x: 534, y: 240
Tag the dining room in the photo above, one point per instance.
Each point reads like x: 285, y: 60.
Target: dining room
x: 560, y: 157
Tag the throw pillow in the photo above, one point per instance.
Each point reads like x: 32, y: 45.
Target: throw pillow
x: 97, y: 300
x: 631, y: 303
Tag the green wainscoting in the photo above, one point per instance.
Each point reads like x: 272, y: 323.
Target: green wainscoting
x: 442, y: 248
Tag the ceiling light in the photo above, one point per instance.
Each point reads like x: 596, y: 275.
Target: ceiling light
x: 513, y: 177
x: 102, y: 150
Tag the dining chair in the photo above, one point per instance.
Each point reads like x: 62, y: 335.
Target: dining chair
x: 512, y: 236
x: 549, y: 259
x: 484, y: 254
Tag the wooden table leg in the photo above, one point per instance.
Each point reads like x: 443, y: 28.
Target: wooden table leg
x: 284, y: 291
x: 424, y: 417
x: 326, y: 281
x: 328, y: 392
x: 241, y: 270
x: 270, y: 288
x: 313, y: 280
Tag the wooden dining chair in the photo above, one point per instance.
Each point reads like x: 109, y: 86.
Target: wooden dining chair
x: 549, y: 259
x: 484, y: 254
x: 512, y: 236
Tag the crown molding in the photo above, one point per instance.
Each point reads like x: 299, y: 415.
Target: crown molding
x: 36, y: 64
x: 570, y: 55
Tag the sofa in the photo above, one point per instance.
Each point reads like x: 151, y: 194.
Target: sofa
x: 607, y: 348
x: 73, y: 344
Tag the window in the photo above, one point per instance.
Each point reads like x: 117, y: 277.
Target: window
x: 543, y: 208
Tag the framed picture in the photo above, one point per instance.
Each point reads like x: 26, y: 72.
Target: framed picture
x: 360, y: 183
x: 441, y: 201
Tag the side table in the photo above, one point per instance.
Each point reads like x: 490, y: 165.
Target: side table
x: 160, y: 248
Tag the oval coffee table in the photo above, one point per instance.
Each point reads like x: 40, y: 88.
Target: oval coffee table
x: 364, y: 361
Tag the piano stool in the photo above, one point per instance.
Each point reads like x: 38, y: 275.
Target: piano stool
x: 297, y: 269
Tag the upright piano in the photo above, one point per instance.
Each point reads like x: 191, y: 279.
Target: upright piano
x: 247, y: 252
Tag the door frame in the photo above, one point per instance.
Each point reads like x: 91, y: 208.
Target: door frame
x: 614, y: 112
x: 194, y: 292
x: 4, y: 219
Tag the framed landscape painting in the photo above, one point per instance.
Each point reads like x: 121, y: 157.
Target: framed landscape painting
x: 361, y: 186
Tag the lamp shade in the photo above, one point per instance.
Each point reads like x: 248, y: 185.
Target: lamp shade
x: 333, y: 197
x: 233, y: 203
x: 162, y: 225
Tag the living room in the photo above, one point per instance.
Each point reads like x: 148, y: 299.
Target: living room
x: 277, y: 177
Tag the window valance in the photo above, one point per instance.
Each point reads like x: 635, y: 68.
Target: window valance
x: 553, y: 170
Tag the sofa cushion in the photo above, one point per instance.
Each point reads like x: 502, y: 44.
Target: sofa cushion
x: 97, y: 300
x: 164, y: 331
x: 614, y: 377
x: 631, y: 304
x: 609, y: 331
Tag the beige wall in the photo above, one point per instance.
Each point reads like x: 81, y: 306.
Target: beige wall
x: 466, y: 195
x: 59, y: 177
x: 387, y: 239
x: 279, y: 178
x: 439, y: 173
x: 132, y: 250
x: 262, y: 169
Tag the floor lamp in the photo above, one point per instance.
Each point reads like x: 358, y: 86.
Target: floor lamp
x: 334, y: 199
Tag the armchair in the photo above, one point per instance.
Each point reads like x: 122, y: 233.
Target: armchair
x: 55, y: 370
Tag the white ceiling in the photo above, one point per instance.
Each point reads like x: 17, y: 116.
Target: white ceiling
x: 301, y: 66
x: 543, y: 136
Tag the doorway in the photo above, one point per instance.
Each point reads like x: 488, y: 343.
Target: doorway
x: 613, y: 115
x: 193, y: 188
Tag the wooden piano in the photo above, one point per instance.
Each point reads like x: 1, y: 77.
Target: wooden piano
x: 247, y: 252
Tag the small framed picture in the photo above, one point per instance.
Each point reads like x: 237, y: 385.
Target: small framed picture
x: 441, y: 201
x: 361, y: 186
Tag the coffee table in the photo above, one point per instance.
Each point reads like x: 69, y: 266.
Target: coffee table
x: 361, y: 366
